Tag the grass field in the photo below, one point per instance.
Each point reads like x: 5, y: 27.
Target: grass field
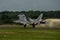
x: 17, y: 33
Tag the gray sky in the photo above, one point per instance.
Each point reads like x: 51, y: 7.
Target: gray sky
x: 23, y: 5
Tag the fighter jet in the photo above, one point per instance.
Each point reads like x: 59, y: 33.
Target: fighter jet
x: 27, y: 20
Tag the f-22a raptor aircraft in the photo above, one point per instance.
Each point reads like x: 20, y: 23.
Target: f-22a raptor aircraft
x: 27, y: 20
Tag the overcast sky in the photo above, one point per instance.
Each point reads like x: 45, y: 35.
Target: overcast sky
x: 23, y: 5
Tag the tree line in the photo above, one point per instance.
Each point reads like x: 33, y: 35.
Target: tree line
x: 10, y: 16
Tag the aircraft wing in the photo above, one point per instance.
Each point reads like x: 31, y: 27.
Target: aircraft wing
x: 30, y: 19
x: 22, y: 19
x: 17, y: 21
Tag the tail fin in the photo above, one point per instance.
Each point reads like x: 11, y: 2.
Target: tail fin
x: 22, y: 17
x: 40, y: 17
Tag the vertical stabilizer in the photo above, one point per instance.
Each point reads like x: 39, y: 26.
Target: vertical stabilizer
x: 40, y: 17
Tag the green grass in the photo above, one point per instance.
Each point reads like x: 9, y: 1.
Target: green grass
x: 17, y: 33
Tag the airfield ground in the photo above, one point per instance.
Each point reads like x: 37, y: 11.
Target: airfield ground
x: 17, y: 32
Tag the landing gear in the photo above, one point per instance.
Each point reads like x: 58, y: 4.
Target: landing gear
x: 25, y: 26
x: 33, y: 25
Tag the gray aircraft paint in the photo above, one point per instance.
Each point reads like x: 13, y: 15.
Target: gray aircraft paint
x: 22, y: 19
